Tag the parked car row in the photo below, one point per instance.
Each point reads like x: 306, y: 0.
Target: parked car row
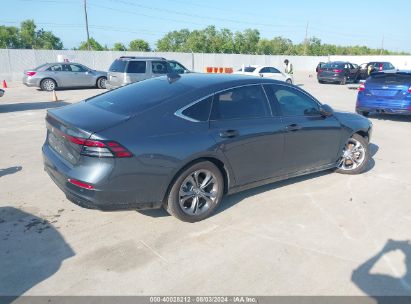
x: 342, y: 72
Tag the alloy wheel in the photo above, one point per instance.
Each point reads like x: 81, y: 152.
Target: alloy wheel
x: 198, y: 192
x: 49, y: 85
x: 353, y: 155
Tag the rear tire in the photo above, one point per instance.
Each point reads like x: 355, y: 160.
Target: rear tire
x: 320, y: 81
x: 196, y: 192
x: 48, y: 85
x: 101, y: 82
x: 355, y: 156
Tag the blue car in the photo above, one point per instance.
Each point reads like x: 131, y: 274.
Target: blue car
x: 385, y: 93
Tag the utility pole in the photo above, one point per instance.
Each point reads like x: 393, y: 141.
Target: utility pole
x: 382, y: 45
x: 85, y: 14
x: 306, y: 39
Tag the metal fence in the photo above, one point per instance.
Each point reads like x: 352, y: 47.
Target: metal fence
x: 13, y: 62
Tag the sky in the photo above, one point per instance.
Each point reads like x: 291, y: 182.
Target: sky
x: 348, y: 22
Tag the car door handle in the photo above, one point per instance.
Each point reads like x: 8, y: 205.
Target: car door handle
x: 293, y: 128
x: 228, y: 134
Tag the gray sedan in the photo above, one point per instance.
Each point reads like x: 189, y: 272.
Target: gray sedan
x: 50, y: 76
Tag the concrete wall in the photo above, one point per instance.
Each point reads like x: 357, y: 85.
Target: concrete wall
x: 14, y: 62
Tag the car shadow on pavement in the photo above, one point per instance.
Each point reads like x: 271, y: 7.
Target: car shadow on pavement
x: 10, y: 170
x: 382, y: 286
x: 31, y: 251
x: 27, y: 106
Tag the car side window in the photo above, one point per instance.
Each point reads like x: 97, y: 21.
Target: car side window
x: 293, y: 102
x: 159, y: 67
x: 175, y: 67
x: 199, y: 111
x: 66, y: 68
x: 55, y: 68
x: 274, y: 70
x: 240, y: 103
x: 138, y: 67
x: 265, y: 70
x: 77, y: 68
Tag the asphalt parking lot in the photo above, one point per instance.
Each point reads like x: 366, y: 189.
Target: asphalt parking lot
x: 323, y: 234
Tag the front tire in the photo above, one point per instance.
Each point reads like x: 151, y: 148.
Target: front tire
x: 289, y: 81
x: 355, y: 156
x: 196, y: 192
x: 101, y: 82
x: 48, y: 85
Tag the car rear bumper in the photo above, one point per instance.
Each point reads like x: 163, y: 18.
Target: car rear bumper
x: 383, y: 110
x: 101, y: 198
x: 338, y: 78
x: 30, y: 82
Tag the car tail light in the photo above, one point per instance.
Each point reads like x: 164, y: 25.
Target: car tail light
x: 337, y: 71
x: 97, y: 148
x: 320, y: 71
x: 31, y: 73
x: 409, y: 90
x: 380, y: 67
x: 81, y: 184
x: 361, y: 88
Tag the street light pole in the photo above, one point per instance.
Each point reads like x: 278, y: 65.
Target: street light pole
x: 85, y: 14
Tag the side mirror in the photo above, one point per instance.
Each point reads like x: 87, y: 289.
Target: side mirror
x: 1, y: 92
x: 326, y: 110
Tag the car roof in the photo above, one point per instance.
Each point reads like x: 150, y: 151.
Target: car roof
x: 216, y: 82
x: 140, y: 58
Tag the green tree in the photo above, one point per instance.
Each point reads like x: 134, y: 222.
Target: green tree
x: 174, y: 41
x: 139, y: 45
x: 118, y: 46
x: 47, y: 40
x: 28, y: 34
x: 9, y: 37
x: 94, y: 45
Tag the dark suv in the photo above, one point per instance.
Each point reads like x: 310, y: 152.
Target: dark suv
x: 129, y: 69
x: 337, y: 72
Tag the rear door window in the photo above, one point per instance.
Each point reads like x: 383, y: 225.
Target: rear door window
x: 55, y: 68
x: 240, y: 103
x: 77, y: 68
x: 159, y: 67
x: 118, y: 66
x: 175, y: 67
x: 138, y: 67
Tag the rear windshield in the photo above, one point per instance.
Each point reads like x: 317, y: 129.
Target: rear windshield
x: 333, y: 65
x: 118, y: 66
x: 396, y: 79
x: 40, y: 66
x: 138, y: 97
x: 247, y: 69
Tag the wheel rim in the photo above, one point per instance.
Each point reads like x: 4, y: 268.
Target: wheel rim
x: 353, y: 155
x: 102, y: 83
x: 198, y: 192
x: 49, y: 85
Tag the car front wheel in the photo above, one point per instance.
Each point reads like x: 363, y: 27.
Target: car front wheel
x: 355, y: 156
x: 196, y: 192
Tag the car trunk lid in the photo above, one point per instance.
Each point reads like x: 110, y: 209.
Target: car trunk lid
x: 69, y: 125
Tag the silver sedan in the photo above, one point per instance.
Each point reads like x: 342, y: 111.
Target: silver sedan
x: 50, y: 76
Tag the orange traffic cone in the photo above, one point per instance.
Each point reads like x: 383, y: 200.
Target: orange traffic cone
x: 4, y: 84
x: 55, y: 96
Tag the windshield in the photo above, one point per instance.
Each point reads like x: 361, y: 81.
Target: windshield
x: 333, y: 65
x: 137, y: 97
x: 390, y: 79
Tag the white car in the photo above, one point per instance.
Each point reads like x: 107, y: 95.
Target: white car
x: 265, y: 71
